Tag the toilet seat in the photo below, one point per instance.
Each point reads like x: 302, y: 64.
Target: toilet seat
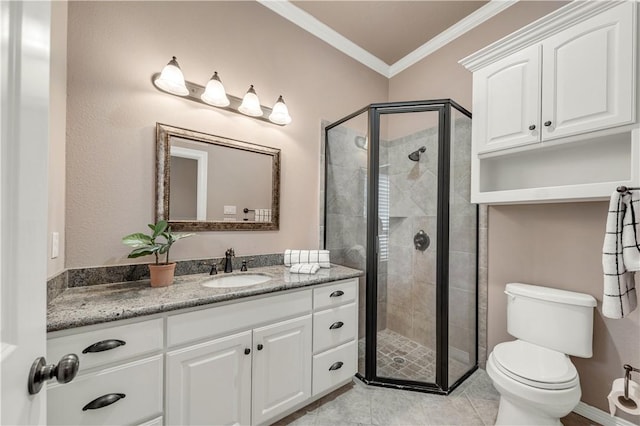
x: 535, y: 366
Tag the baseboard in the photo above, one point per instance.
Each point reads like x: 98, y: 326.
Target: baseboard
x: 599, y: 416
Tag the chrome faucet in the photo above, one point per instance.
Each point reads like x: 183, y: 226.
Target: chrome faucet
x: 228, y: 264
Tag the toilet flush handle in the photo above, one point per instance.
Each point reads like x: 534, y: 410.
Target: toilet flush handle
x: 511, y: 295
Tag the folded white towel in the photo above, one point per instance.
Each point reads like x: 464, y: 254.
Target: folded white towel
x: 620, y: 256
x: 304, y: 268
x: 321, y: 257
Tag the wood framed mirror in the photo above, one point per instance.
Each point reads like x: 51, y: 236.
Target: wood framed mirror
x: 211, y: 183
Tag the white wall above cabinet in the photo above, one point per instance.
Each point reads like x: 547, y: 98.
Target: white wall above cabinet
x: 554, y: 107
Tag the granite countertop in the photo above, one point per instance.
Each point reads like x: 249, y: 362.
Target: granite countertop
x: 80, y: 306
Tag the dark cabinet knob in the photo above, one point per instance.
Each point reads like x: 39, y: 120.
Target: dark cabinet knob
x: 260, y: 346
x: 337, y: 293
x: 104, y: 345
x: 336, y: 366
x: 103, y: 401
x: 336, y: 325
x: 532, y: 127
x: 247, y: 351
x: 547, y: 123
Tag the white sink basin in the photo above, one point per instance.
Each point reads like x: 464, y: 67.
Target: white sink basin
x: 241, y: 280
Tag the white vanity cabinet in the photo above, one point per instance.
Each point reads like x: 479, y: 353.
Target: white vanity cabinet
x: 254, y: 364
x: 555, y: 107
x: 120, y: 378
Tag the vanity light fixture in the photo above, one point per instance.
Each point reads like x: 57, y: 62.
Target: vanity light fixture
x: 280, y: 114
x: 251, y: 104
x: 171, y: 80
x: 214, y: 94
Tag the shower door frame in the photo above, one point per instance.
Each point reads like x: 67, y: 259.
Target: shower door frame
x: 443, y: 107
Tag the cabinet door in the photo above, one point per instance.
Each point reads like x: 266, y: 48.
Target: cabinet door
x: 588, y: 75
x: 506, y: 102
x: 281, y: 367
x: 210, y: 383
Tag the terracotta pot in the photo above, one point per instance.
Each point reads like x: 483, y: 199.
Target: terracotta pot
x: 161, y: 275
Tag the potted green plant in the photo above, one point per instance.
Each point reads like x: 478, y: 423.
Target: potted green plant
x: 161, y: 273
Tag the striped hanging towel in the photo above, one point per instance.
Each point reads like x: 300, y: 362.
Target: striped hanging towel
x: 621, y: 255
x: 321, y: 257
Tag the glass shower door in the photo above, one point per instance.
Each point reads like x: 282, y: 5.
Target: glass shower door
x: 407, y: 234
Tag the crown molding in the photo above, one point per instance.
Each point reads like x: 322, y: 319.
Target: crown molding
x: 325, y: 33
x: 544, y: 27
x: 307, y: 22
x: 478, y: 17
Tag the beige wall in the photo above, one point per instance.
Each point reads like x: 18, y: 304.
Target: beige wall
x: 115, y: 47
x: 57, y: 133
x: 560, y: 245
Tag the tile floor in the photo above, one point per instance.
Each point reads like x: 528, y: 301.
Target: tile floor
x: 402, y: 358
x: 475, y: 402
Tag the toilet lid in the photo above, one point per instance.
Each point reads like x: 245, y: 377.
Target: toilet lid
x: 535, y: 366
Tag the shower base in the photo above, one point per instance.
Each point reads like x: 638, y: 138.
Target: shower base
x: 402, y: 358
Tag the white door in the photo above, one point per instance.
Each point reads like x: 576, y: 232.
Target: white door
x: 588, y: 75
x: 210, y: 383
x: 24, y: 111
x: 506, y: 102
x: 281, y: 367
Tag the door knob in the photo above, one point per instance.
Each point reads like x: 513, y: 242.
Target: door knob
x: 532, y: 127
x: 547, y: 123
x: 64, y: 371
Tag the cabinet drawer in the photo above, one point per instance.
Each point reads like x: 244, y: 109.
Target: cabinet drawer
x: 334, y: 326
x: 139, y: 339
x: 334, y: 295
x: 334, y: 366
x: 140, y: 382
x: 213, y: 322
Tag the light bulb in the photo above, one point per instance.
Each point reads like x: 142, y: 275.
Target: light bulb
x: 171, y: 79
x: 251, y: 104
x: 280, y: 114
x: 214, y: 94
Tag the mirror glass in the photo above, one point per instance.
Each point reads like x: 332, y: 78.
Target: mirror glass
x: 207, y: 182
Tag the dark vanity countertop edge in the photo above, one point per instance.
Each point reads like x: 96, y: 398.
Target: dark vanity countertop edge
x: 97, y: 304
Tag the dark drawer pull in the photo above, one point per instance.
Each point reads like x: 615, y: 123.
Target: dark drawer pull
x: 104, y: 345
x: 335, y: 325
x: 336, y: 366
x: 337, y: 293
x: 103, y: 401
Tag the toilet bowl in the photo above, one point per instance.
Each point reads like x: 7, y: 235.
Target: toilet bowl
x: 537, y: 382
x: 537, y: 386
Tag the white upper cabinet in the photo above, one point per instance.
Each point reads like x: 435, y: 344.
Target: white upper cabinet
x: 575, y: 81
x: 555, y: 114
x: 587, y: 75
x: 506, y: 101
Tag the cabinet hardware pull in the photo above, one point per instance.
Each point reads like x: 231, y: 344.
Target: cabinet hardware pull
x: 104, y: 345
x: 336, y: 324
x: 547, y: 123
x: 247, y: 351
x: 337, y: 293
x: 336, y: 366
x: 103, y: 401
x: 532, y: 127
x: 260, y: 346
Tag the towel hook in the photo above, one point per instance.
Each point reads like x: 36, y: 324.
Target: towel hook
x: 624, y: 189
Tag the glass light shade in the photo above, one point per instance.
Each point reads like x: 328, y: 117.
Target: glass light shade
x: 171, y: 79
x: 214, y: 94
x: 280, y: 113
x: 251, y: 104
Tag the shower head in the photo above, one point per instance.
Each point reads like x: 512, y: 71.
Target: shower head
x: 415, y: 155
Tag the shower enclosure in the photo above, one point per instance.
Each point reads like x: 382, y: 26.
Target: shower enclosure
x: 397, y: 187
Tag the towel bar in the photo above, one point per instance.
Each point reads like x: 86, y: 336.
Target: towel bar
x: 626, y: 188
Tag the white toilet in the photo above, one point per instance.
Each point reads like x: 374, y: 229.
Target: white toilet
x: 537, y: 382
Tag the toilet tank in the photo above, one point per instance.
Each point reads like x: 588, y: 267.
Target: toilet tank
x: 556, y: 319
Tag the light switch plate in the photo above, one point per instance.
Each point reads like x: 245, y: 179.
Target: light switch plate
x: 229, y: 209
